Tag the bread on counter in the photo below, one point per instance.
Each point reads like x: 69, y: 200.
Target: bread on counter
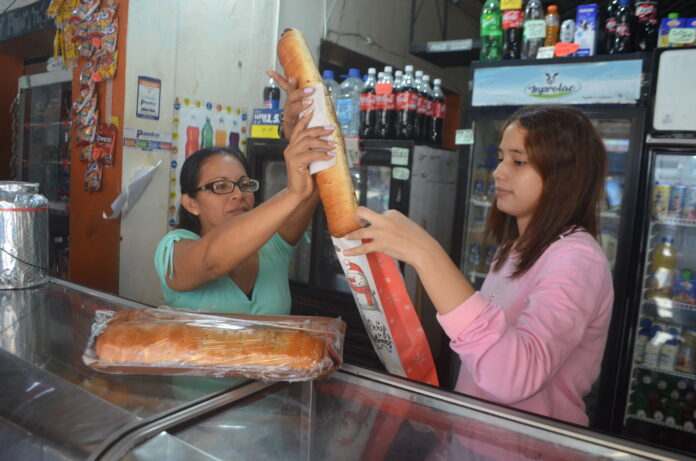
x: 155, y: 341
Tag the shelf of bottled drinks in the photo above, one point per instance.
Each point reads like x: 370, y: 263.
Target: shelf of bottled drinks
x: 513, y: 29
x: 389, y: 105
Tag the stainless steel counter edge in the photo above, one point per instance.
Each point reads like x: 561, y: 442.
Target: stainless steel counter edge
x: 119, y: 445
x: 509, y: 414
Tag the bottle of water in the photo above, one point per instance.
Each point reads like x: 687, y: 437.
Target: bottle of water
x: 331, y: 85
x: 348, y: 104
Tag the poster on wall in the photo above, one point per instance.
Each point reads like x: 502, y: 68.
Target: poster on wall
x: 198, y: 125
x: 149, y: 90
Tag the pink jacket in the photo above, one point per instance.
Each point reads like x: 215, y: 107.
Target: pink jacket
x: 536, y: 343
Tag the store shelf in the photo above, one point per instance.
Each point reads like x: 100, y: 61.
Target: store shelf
x: 610, y: 214
x: 449, y: 53
x: 664, y: 303
x: 480, y: 202
x: 663, y: 424
x: 672, y: 221
x: 679, y: 374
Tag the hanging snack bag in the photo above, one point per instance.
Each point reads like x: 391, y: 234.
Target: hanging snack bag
x: 84, y: 10
x: 87, y: 153
x: 87, y: 128
x: 106, y: 141
x: 105, y: 67
x: 93, y: 177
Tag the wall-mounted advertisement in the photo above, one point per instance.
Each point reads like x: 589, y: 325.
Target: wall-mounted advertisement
x: 198, y: 125
x: 610, y: 82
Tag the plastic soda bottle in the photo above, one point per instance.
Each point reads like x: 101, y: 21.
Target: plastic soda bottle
x: 623, y: 34
x: 645, y: 12
x: 438, y: 121
x: 491, y: 31
x: 271, y: 95
x: 368, y: 105
x: 533, y: 30
x: 406, y: 105
x: 663, y: 265
x: 553, y: 23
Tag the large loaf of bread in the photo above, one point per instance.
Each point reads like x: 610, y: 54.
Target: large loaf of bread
x: 151, y: 339
x: 335, y: 184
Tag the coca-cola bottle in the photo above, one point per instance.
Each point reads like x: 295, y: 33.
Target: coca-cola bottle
x: 406, y: 104
x: 424, y: 111
x: 610, y: 26
x: 438, y: 121
x: 645, y: 24
x: 623, y: 40
x: 512, y: 33
x: 368, y: 105
x: 386, y: 104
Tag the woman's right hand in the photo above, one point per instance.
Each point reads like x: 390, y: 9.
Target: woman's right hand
x: 304, y: 148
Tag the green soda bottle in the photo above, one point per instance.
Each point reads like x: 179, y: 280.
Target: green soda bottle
x: 491, y: 31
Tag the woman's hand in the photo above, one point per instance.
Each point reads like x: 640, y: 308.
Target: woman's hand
x: 297, y: 100
x: 304, y: 148
x: 391, y: 233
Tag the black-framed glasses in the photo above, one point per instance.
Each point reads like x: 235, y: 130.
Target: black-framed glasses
x: 226, y: 186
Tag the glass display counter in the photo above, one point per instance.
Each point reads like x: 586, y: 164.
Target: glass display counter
x: 53, y: 407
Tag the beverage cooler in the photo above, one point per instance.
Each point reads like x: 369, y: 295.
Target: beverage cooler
x: 42, y: 152
x: 656, y: 399
x: 611, y: 93
x: 418, y: 180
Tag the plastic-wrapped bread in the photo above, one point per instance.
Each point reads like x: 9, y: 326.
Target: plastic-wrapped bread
x: 335, y: 184
x: 161, y: 341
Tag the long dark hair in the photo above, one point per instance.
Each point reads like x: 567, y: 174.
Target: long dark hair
x: 566, y: 150
x: 191, y: 175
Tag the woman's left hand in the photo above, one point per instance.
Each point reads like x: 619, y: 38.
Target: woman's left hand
x: 296, y: 101
x: 305, y: 147
x: 391, y: 233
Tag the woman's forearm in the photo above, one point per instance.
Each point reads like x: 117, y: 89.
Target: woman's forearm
x: 442, y: 280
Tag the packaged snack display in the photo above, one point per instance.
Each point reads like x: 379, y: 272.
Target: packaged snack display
x: 104, y: 145
x: 174, y: 342
x: 93, y: 177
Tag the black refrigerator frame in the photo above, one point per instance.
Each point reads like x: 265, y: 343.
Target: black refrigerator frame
x: 655, y: 142
x: 605, y: 390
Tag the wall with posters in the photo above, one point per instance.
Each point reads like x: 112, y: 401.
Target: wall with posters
x: 201, y: 51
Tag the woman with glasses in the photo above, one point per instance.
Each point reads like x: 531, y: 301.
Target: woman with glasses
x: 228, y: 256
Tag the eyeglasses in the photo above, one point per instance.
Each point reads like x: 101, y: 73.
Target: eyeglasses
x: 226, y: 186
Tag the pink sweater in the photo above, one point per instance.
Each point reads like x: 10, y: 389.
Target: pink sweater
x: 536, y: 343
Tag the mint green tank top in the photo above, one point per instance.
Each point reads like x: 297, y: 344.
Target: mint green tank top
x: 271, y: 293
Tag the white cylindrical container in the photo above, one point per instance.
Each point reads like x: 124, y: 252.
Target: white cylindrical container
x: 23, y: 235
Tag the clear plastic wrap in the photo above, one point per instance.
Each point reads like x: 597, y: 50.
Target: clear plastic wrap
x: 165, y: 341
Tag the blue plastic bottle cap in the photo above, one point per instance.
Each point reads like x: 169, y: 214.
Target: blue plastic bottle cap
x: 328, y: 74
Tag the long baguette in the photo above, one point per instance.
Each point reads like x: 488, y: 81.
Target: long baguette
x: 335, y: 184
x: 141, y: 337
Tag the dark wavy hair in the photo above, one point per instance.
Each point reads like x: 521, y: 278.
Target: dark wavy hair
x: 566, y: 150
x: 191, y: 175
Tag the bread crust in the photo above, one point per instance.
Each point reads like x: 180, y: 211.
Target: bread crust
x: 335, y: 185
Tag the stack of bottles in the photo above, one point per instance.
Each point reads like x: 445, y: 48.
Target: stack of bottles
x: 389, y: 105
x: 622, y: 26
x: 668, y: 282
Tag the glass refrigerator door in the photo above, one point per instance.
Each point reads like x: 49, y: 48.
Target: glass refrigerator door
x: 661, y: 406
x: 477, y: 252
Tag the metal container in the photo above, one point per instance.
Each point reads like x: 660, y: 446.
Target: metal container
x: 23, y: 235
